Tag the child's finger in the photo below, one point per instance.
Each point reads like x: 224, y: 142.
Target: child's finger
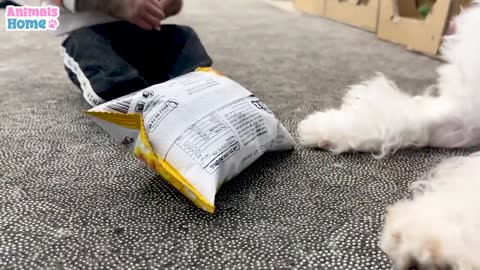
x: 170, y: 7
x: 152, y: 20
x: 142, y: 24
x: 155, y: 9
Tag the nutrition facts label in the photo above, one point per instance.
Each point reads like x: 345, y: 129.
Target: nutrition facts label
x: 243, y: 116
x: 218, y: 136
x: 209, y: 142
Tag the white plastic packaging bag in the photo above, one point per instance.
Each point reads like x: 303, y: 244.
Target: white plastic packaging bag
x: 197, y: 131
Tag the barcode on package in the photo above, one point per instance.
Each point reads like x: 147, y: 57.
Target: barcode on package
x: 121, y: 106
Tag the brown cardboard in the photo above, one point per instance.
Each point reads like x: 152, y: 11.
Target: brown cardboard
x: 399, y: 22
x: 408, y: 9
x: 417, y: 34
x: 359, y: 13
x: 314, y: 7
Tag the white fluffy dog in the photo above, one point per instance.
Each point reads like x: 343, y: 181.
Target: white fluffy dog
x: 440, y: 227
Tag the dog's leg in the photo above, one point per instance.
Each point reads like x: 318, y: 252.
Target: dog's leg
x: 378, y: 117
x: 374, y: 117
x: 439, y: 228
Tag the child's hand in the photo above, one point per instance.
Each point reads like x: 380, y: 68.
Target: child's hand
x: 146, y: 14
x: 171, y: 7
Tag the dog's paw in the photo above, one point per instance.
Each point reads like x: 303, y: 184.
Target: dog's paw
x: 320, y: 130
x: 310, y: 133
x: 414, y: 240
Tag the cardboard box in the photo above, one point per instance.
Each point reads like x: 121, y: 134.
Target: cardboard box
x: 359, y: 13
x: 400, y: 22
x: 314, y: 7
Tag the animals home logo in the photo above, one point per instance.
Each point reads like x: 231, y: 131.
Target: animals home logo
x: 26, y: 18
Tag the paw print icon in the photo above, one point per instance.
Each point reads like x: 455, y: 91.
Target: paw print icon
x: 53, y: 24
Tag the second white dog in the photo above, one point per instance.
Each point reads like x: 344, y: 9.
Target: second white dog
x: 440, y: 227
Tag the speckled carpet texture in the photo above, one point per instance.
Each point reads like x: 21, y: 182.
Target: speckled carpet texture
x: 70, y: 198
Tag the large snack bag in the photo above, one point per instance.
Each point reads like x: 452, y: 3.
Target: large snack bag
x: 197, y: 131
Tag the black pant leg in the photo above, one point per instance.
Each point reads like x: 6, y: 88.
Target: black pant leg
x: 192, y: 55
x: 6, y: 3
x: 157, y: 55
x: 97, y: 69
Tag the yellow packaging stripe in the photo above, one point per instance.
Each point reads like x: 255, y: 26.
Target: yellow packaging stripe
x: 169, y: 173
x: 160, y: 166
x: 132, y: 121
x: 210, y: 69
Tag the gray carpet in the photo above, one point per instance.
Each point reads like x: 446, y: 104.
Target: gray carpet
x: 70, y: 198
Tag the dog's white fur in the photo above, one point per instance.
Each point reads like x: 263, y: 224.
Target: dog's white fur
x: 440, y: 226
